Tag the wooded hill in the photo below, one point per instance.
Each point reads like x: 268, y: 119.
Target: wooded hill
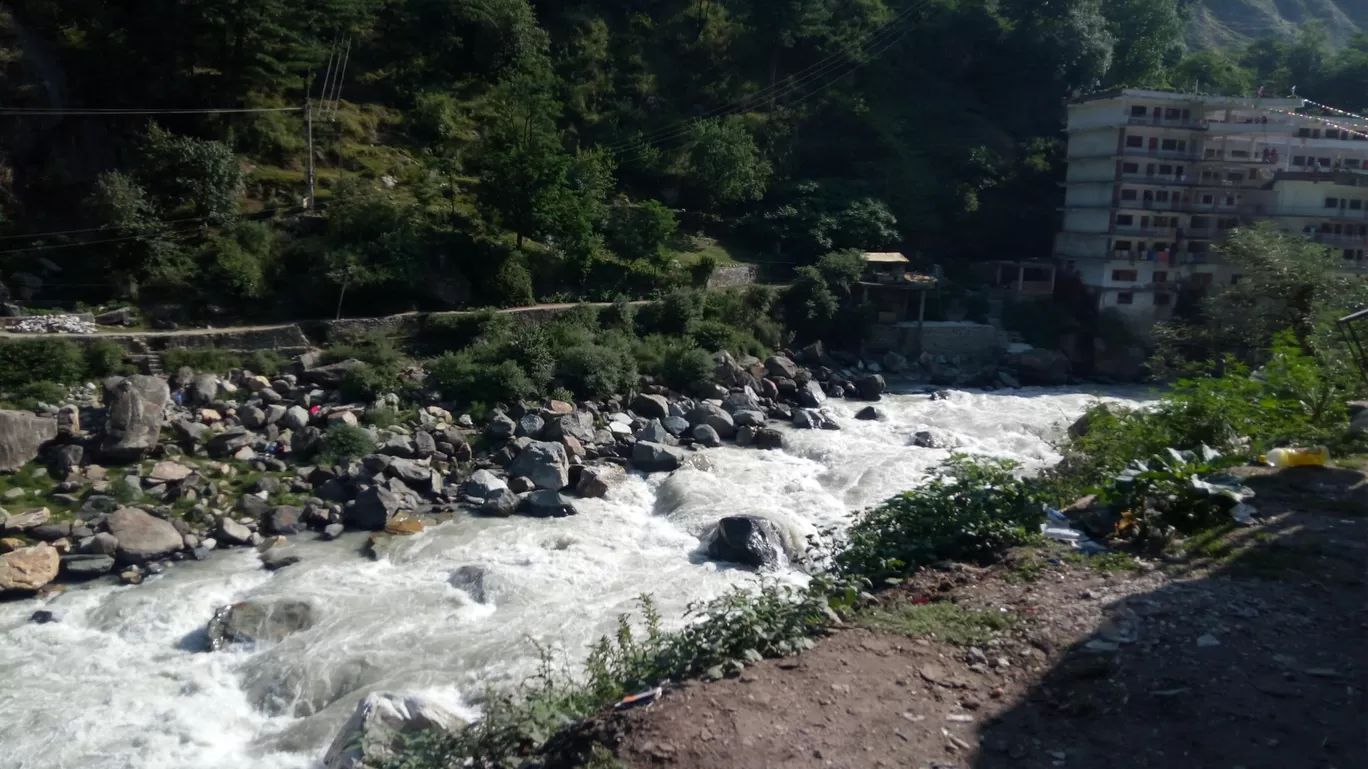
x: 497, y: 151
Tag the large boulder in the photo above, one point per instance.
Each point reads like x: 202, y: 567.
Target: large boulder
x: 28, y: 568
x: 656, y: 457
x: 578, y: 425
x: 746, y: 539
x: 500, y: 427
x: 545, y: 463
x: 870, y: 387
x: 259, y: 621
x: 87, y: 566
x: 714, y: 417
x: 21, y: 436
x: 811, y: 395
x: 142, y: 537
x: 482, y: 484
x: 779, y: 366
x: 768, y: 438
x: 375, y: 732
x: 546, y: 503
x: 729, y: 373
x: 284, y: 519
x: 595, y: 481
x: 651, y: 406
x: 1039, y: 366
x: 136, y: 410
x: 373, y: 508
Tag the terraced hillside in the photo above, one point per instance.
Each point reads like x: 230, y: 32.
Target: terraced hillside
x: 1226, y: 23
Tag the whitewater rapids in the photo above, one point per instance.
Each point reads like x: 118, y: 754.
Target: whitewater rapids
x: 119, y: 681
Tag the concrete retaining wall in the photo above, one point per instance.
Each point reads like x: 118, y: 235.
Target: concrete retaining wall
x: 970, y: 341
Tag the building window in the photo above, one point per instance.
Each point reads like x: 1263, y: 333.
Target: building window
x: 1125, y: 220
x: 1298, y: 160
x: 1351, y: 162
x: 1128, y: 194
x: 1171, y: 114
x: 1356, y: 205
x: 1235, y: 176
x: 1169, y: 144
x: 1125, y: 297
x: 1209, y: 154
x: 1197, y: 247
x: 1304, y: 133
x: 1149, y: 169
x: 1165, y: 170
x: 1160, y: 276
x: 1244, y: 154
x: 1332, y: 202
x: 1323, y: 162
x: 1332, y: 133
x: 1137, y: 111
x: 1235, y: 279
x: 1162, y: 196
x: 1130, y: 168
x: 1207, y: 200
x: 1162, y: 300
x: 1349, y: 253
x: 1230, y: 200
x: 1122, y: 245
x: 1135, y: 141
x: 1125, y: 276
x: 1201, y: 279
x: 1200, y: 222
x: 1149, y: 195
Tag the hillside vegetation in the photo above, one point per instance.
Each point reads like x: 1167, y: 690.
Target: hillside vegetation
x: 497, y: 152
x: 1235, y: 23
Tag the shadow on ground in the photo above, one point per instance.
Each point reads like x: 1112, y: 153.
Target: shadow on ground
x: 1253, y: 655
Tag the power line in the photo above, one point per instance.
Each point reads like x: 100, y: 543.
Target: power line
x: 124, y: 238
x: 791, y: 83
x: 62, y: 112
x: 36, y: 235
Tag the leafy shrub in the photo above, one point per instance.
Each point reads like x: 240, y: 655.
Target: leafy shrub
x: 1173, y: 491
x: 105, y: 358
x: 27, y: 397
x: 38, y: 360
x: 376, y: 348
x: 702, y: 270
x: 561, y: 394
x: 621, y: 315
x: 688, y: 369
x: 971, y: 509
x: 433, y: 117
x: 461, y: 376
x: 595, y: 371
x: 511, y: 285
x: 201, y: 359
x: 264, y: 362
x: 343, y: 443
x: 675, y: 313
x: 367, y: 382
x: 714, y: 335
x: 639, y: 231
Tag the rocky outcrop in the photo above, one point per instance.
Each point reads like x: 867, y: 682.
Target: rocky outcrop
x: 747, y: 539
x: 27, y: 569
x: 142, y: 537
x: 596, y: 481
x: 21, y: 436
x: 136, y: 410
x: 373, y: 508
x: 656, y: 457
x: 259, y: 622
x: 545, y: 463
x: 373, y: 734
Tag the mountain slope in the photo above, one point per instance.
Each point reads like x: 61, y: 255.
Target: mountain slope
x: 1227, y: 23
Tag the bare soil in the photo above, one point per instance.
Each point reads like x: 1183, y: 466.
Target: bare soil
x: 1249, y: 651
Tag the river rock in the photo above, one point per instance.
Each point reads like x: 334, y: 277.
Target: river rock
x: 746, y: 539
x: 656, y: 457
x: 1039, y: 366
x: 871, y: 413
x: 259, y: 621
x: 296, y: 417
x: 649, y: 406
x: 811, y: 395
x: 596, y: 480
x: 11, y: 524
x: 136, y: 410
x: 745, y: 400
x: 779, y: 366
x: 499, y: 503
x: 483, y: 483
x: 546, y: 503
x: 674, y: 427
x: 705, y: 435
x: 86, y: 566
x: 471, y: 579
x: 142, y: 537
x: 374, y: 733
x: 545, y: 463
x: 870, y: 387
x: 578, y: 425
x: 768, y: 438
x: 500, y: 427
x: 809, y: 419
x: 424, y: 445
x: 714, y: 417
x: 283, y: 519
x: 749, y: 418
x: 28, y: 568
x: 531, y: 426
x: 232, y: 532
x: 229, y: 442
x: 21, y: 436
x: 168, y: 472
x: 65, y: 459
x: 373, y: 508
x: 928, y: 440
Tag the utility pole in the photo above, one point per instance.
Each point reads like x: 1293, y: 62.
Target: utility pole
x: 308, y: 120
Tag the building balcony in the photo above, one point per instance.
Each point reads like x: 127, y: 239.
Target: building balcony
x: 1342, y: 241
x: 1307, y: 212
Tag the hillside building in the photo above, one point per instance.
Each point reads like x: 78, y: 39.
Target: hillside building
x: 1156, y: 178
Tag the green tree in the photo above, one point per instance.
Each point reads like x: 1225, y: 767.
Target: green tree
x: 639, y: 230
x: 1148, y: 35
x: 185, y: 173
x: 725, y: 165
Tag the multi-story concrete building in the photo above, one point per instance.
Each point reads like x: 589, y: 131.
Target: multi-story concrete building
x: 1155, y: 178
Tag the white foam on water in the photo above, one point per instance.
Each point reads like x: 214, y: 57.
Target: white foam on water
x: 118, y: 681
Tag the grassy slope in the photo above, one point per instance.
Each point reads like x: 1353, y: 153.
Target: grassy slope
x: 1226, y: 23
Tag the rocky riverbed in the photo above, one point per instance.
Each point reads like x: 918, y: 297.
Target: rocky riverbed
x: 196, y: 515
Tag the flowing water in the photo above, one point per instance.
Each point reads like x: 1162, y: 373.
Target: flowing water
x: 119, y: 681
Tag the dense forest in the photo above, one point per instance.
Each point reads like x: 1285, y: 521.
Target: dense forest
x: 496, y: 152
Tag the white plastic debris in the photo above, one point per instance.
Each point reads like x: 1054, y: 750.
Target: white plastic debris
x: 53, y: 324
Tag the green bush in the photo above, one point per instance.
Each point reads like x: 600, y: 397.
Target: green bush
x: 621, y: 315
x: 27, y: 397
x: 511, y: 285
x: 675, y: 313
x: 40, y: 360
x: 343, y: 443
x: 366, y: 382
x: 104, y: 358
x: 462, y: 377
x: 688, y: 369
x: 377, y: 348
x: 264, y: 362
x: 971, y: 509
x: 714, y: 335
x: 594, y: 371
x: 702, y: 270
x: 201, y: 359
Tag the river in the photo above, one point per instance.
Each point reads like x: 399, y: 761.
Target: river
x: 119, y: 681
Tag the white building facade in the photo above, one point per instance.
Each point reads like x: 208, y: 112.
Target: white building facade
x: 1155, y: 178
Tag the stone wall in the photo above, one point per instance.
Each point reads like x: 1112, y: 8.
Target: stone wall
x: 288, y: 339
x: 970, y: 341
x: 732, y: 275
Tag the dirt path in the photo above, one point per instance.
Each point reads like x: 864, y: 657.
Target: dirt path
x: 1249, y: 653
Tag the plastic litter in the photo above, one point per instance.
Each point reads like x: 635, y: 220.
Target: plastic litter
x: 1244, y: 514
x: 1058, y: 528
x: 1298, y: 457
x: 640, y: 699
